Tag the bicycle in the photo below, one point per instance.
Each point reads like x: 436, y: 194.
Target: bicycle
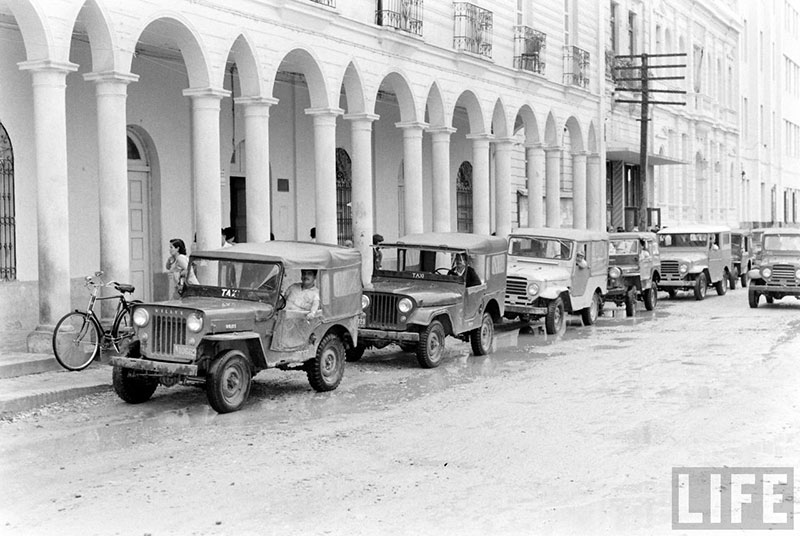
x: 79, y: 335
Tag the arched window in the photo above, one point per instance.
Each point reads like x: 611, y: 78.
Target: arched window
x: 344, y: 196
x: 464, y: 197
x: 8, y: 228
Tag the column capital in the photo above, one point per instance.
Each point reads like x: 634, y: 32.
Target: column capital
x: 552, y: 150
x: 256, y: 101
x: 411, y: 125
x: 206, y: 92
x: 323, y: 112
x: 47, y: 66
x: 482, y: 136
x: 594, y: 156
x: 502, y: 142
x: 534, y: 145
x: 442, y: 130
x: 361, y: 117
x: 583, y: 154
x: 118, y: 77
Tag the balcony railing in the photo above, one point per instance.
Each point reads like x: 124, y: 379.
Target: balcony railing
x: 576, y: 66
x: 529, y: 49
x: 625, y: 68
x: 405, y: 15
x: 329, y: 3
x: 472, y: 29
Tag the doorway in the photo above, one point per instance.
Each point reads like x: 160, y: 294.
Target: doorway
x: 139, y: 217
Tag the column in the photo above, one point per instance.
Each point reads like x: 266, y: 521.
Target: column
x: 553, y: 185
x: 206, y: 164
x: 412, y: 175
x: 481, y: 222
x: 361, y: 201
x: 579, y: 190
x: 52, y: 194
x: 258, y: 204
x: 112, y: 170
x: 440, y: 140
x: 325, y: 172
x: 534, y: 153
x: 594, y: 190
x: 503, y: 149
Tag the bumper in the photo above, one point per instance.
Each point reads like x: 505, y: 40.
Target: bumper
x: 525, y: 309
x: 677, y: 283
x: 777, y: 289
x: 155, y: 366
x: 367, y: 334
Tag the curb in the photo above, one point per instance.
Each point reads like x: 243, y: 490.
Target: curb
x: 24, y: 393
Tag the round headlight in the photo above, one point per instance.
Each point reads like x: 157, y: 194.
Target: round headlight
x: 404, y: 305
x: 141, y: 317
x: 683, y: 268
x: 364, y: 301
x: 533, y: 289
x: 797, y: 274
x: 194, y: 322
x: 614, y: 272
x: 766, y: 272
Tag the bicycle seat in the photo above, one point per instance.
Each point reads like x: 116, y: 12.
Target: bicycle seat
x: 122, y: 287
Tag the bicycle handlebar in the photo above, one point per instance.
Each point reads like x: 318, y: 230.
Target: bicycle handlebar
x: 96, y: 281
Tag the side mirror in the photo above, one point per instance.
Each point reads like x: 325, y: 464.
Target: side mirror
x: 281, y: 302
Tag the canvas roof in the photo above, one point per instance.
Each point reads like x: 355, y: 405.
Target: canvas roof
x: 564, y: 234
x: 292, y: 254
x: 698, y: 228
x: 472, y: 243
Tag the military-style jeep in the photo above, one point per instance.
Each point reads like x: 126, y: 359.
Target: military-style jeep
x: 232, y: 321
x: 556, y: 271
x: 742, y: 253
x: 635, y: 269
x: 776, y: 272
x: 694, y: 257
x: 429, y: 286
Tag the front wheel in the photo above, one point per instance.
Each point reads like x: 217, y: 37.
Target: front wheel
x: 732, y: 277
x: 752, y: 298
x: 228, y: 383
x: 76, y: 341
x: 481, y: 337
x: 721, y: 286
x: 651, y: 297
x: 589, y: 314
x: 326, y: 370
x: 555, y: 321
x: 700, y: 287
x: 430, y: 348
x: 131, y: 388
x: 630, y: 303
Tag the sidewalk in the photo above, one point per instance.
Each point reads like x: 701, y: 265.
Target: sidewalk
x: 29, y: 380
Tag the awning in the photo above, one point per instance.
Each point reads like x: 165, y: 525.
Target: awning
x: 631, y: 156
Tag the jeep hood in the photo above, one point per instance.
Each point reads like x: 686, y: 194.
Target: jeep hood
x: 220, y: 309
x: 687, y: 256
x: 789, y: 258
x: 537, y: 272
x: 425, y: 293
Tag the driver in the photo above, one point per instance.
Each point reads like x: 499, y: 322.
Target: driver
x: 462, y: 269
x: 303, y: 297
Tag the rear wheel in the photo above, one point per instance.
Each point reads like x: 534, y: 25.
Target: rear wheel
x: 721, y: 286
x: 326, y: 370
x: 651, y: 297
x: 700, y: 287
x: 589, y: 315
x: 481, y: 337
x: 752, y: 298
x: 743, y: 279
x: 228, y: 383
x: 555, y: 321
x: 131, y: 388
x: 76, y: 341
x: 732, y: 277
x: 630, y: 302
x: 430, y: 348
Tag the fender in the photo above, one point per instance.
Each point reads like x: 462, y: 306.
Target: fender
x: 425, y: 316
x: 553, y: 292
x: 697, y: 269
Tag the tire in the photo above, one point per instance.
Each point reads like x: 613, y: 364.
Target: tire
x: 651, y: 297
x: 326, y: 370
x: 355, y: 353
x: 430, y: 348
x: 130, y: 388
x: 76, y: 340
x: 481, y: 338
x: 228, y: 382
x: 721, y: 286
x: 700, y: 287
x: 732, y: 277
x: 589, y: 314
x: 743, y: 279
x: 630, y: 303
x: 555, y: 321
x: 752, y: 298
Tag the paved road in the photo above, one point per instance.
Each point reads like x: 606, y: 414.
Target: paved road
x: 570, y: 435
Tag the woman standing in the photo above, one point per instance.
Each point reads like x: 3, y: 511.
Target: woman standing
x: 177, y: 266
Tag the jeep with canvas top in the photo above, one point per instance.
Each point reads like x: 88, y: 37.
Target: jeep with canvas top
x: 694, y: 257
x: 776, y: 271
x: 634, y: 270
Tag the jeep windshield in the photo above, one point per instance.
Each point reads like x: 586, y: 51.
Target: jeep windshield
x: 628, y: 246
x: 683, y: 240
x: 248, y: 280
x: 540, y: 247
x: 423, y: 263
x: 786, y: 244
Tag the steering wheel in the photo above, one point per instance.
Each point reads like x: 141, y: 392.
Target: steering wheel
x: 442, y: 271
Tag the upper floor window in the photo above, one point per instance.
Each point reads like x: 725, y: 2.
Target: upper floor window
x: 472, y: 29
x: 612, y: 33
x: 631, y: 32
x: 403, y: 15
x: 529, y: 49
x: 576, y: 66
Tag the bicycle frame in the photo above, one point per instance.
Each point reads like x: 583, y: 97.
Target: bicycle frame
x: 123, y: 305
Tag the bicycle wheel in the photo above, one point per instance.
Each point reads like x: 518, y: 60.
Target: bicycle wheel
x: 76, y: 341
x: 122, y: 330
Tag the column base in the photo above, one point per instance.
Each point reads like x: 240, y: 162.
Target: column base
x: 40, y: 340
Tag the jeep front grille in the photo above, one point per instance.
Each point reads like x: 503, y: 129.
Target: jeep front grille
x: 382, y: 312
x: 783, y: 275
x: 169, y: 329
x: 517, y: 286
x: 669, y: 268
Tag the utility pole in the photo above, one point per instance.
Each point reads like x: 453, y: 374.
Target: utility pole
x: 645, y: 90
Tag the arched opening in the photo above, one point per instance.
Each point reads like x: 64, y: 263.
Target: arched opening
x: 344, y: 196
x: 464, y: 197
x: 139, y: 216
x: 8, y: 231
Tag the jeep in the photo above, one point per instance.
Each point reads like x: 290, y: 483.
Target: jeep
x: 634, y: 270
x: 694, y: 257
x: 743, y: 253
x: 776, y: 271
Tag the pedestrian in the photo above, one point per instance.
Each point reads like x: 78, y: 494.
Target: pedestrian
x: 177, y: 266
x: 377, y: 254
x: 228, y: 237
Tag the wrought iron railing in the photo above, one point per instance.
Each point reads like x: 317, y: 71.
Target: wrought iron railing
x: 472, y: 29
x: 623, y: 68
x: 576, y: 66
x: 329, y: 3
x: 529, y: 49
x: 405, y: 15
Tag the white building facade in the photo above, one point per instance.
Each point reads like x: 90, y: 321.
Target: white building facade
x: 125, y: 124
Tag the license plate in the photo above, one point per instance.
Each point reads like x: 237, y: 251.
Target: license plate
x: 184, y: 350
x: 362, y: 321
